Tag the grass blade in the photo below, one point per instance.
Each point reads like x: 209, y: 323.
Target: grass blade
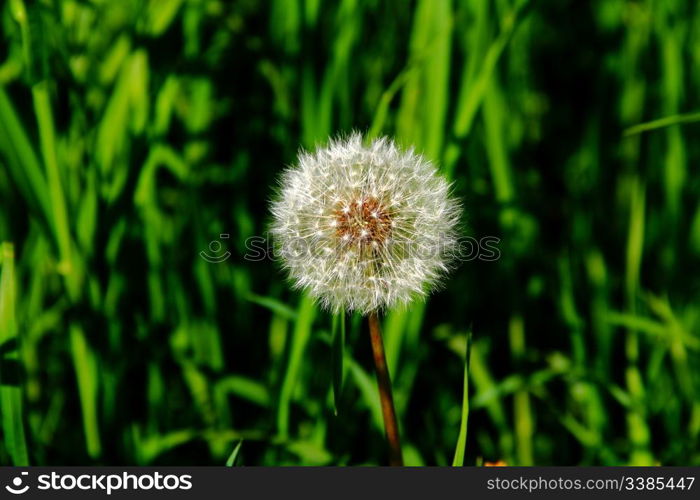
x: 234, y: 454
x: 660, y: 123
x: 10, y: 390
x: 22, y: 161
x: 87, y: 375
x: 458, y: 460
x: 300, y: 339
x: 59, y: 209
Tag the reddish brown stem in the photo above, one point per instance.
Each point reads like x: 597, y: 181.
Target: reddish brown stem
x: 391, y: 426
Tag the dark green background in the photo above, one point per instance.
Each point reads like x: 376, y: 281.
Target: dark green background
x: 134, y: 133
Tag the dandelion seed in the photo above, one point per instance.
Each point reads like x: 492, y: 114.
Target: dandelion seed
x: 386, y: 215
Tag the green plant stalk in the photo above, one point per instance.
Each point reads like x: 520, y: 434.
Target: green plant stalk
x: 83, y: 357
x: 660, y: 123
x: 638, y: 429
x: 522, y: 414
x: 22, y: 161
x: 14, y: 440
x: 47, y: 135
x: 460, y: 449
x: 300, y: 339
x: 391, y: 426
x: 87, y: 376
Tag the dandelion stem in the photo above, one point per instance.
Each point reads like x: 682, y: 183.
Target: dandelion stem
x: 391, y: 426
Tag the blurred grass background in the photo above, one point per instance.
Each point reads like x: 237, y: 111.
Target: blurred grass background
x: 133, y: 133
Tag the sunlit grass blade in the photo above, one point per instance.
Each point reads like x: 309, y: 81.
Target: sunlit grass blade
x: 638, y: 429
x: 59, y: 208
x: 10, y: 384
x: 660, y: 123
x: 522, y: 409
x: 231, y: 461
x: 150, y: 446
x: 242, y: 387
x: 22, y: 160
x: 485, y: 384
x: 382, y: 111
x: 87, y: 377
x: 300, y: 339
x: 461, y: 447
x: 421, y: 116
x: 274, y: 305
x: 369, y: 393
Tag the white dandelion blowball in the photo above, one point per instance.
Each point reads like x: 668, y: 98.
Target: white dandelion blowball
x: 364, y: 227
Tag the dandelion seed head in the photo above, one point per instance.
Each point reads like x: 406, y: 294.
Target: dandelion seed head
x: 364, y: 227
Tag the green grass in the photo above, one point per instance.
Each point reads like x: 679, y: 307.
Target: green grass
x: 134, y: 133
x: 10, y: 386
